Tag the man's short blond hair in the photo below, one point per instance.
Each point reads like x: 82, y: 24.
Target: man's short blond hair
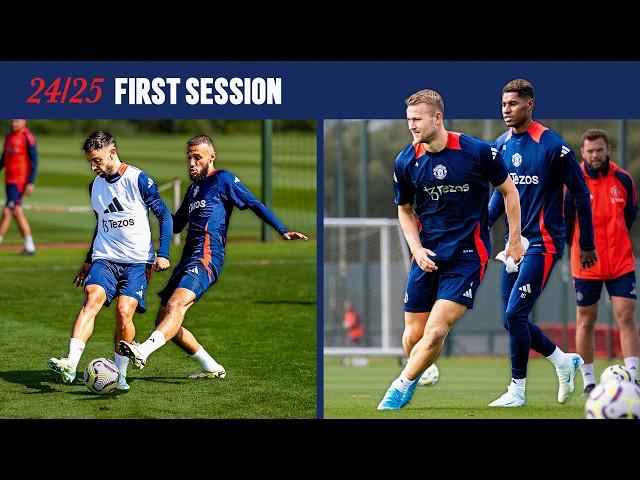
x: 430, y: 97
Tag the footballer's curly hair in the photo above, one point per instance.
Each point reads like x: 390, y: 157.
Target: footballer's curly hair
x: 430, y: 97
x: 199, y: 140
x: 98, y: 140
x: 594, y: 134
x: 522, y: 87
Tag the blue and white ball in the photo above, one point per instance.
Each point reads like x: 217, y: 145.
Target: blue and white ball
x: 619, y: 373
x: 101, y: 376
x: 613, y: 399
x: 430, y: 376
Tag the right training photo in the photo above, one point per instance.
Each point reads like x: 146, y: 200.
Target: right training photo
x: 480, y: 268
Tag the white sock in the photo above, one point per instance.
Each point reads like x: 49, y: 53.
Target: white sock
x: 557, y: 357
x: 28, y: 243
x: 402, y: 383
x: 154, y: 342
x: 518, y: 384
x: 588, y: 374
x: 1, y: 238
x: 206, y: 361
x: 632, y: 364
x: 76, y: 347
x: 121, y: 362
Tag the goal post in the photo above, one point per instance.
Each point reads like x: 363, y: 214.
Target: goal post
x: 366, y: 262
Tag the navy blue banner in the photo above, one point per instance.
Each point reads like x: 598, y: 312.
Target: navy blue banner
x: 306, y: 89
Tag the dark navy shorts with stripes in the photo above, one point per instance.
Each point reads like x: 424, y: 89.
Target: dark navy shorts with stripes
x: 588, y: 291
x: 118, y: 279
x: 454, y: 280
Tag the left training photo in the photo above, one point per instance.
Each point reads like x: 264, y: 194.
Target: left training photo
x: 158, y: 269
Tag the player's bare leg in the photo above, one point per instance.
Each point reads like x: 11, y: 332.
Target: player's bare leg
x: 66, y: 367
x: 414, y: 324
x: 190, y: 345
x: 443, y: 316
x: 586, y: 318
x: 624, y: 312
x: 168, y: 326
x: 7, y: 214
x: 25, y: 229
x: 125, y: 330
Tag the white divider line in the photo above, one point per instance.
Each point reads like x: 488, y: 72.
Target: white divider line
x: 53, y: 208
x: 79, y: 208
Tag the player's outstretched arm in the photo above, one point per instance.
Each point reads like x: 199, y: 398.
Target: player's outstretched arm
x: 511, y: 196
x: 294, y: 236
x: 84, y: 269
x: 421, y: 255
x: 151, y: 197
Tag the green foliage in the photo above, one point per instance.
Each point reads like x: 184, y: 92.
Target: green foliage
x: 64, y: 176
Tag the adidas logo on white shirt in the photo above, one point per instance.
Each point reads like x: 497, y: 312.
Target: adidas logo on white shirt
x: 114, y: 206
x: 468, y: 294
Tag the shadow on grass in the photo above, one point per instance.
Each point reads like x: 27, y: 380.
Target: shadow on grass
x: 44, y: 381
x: 172, y: 380
x: 39, y: 380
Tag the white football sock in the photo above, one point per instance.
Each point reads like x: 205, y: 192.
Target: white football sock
x: 154, y: 342
x: 402, y: 383
x: 588, y: 374
x: 632, y: 365
x: 518, y: 384
x: 76, y: 347
x: 121, y: 362
x: 1, y: 238
x: 205, y: 360
x: 28, y: 243
x: 557, y: 357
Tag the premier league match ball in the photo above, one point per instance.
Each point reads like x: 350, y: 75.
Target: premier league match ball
x: 101, y: 376
x: 430, y: 376
x: 613, y: 399
x: 616, y: 372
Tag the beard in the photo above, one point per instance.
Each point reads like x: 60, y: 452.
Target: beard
x: 198, y: 176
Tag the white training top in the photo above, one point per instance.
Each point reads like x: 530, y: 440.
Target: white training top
x: 123, y: 233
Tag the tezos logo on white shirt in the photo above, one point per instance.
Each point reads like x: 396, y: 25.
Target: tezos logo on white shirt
x: 440, y: 171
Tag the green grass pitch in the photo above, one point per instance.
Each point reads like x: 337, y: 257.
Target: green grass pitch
x: 465, y: 388
x: 259, y: 321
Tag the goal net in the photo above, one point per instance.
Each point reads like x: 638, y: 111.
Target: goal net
x: 366, y: 262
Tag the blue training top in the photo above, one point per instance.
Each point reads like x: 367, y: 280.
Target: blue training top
x: 540, y: 163
x: 207, y: 208
x: 450, y: 189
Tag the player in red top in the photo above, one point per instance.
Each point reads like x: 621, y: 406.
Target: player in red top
x: 614, y: 204
x: 20, y: 159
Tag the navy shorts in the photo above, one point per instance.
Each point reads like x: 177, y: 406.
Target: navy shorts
x: 192, y: 276
x: 14, y: 195
x: 588, y: 291
x: 454, y: 280
x: 130, y: 279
